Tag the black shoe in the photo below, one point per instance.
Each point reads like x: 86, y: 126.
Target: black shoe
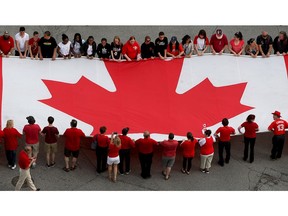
x: 244, y: 159
x: 163, y: 173
x: 251, y: 161
x: 221, y: 164
x: 272, y: 158
x: 227, y: 161
x: 38, y: 189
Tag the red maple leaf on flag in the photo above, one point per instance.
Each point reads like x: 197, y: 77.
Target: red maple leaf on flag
x: 145, y: 99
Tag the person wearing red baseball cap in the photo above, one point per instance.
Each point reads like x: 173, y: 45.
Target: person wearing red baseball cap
x: 278, y: 127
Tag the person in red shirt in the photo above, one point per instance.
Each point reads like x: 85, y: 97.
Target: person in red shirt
x: 169, y: 148
x: 278, y: 127
x: 201, y: 42
x: 31, y: 132
x: 145, y: 149
x: 174, y: 48
x: 51, y: 135
x: 188, y: 147
x: 33, y: 46
x: 72, y: 137
x: 113, y: 156
x: 126, y: 144
x: 131, y: 50
x: 237, y: 44
x: 206, y: 151
x: 25, y: 163
x: 11, y: 136
x: 249, y: 136
x: 101, y: 149
x: 224, y: 141
x: 6, y: 44
x: 218, y: 42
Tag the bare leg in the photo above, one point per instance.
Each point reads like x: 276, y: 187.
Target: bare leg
x: 67, y: 162
x: 110, y: 172
x: 52, y: 158
x: 114, y: 172
x: 168, y: 171
x: 48, y: 159
x: 74, y: 160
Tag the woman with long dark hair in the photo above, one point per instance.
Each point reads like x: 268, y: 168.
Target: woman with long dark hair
x: 187, y: 46
x: 76, y: 45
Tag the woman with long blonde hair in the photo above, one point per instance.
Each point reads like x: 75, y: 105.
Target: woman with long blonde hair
x: 113, y: 156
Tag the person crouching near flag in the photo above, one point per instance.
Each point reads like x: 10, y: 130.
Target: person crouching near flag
x: 224, y: 141
x: 73, y: 137
x: 278, y: 127
x: 113, y: 158
x: 249, y: 136
x: 206, y: 151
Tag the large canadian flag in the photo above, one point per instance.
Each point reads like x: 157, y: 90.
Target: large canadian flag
x: 176, y: 96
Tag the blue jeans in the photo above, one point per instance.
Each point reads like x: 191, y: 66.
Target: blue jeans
x: 11, y: 157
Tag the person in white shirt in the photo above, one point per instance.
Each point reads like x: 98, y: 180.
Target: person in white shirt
x: 21, y: 42
x: 64, y: 48
x: 201, y: 42
x: 76, y: 45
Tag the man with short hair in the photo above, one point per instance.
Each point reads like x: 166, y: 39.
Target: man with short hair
x: 145, y: 148
x: 47, y: 46
x: 104, y: 49
x: 265, y: 44
x: 218, y: 42
x: 278, y: 127
x: 101, y: 149
x: 33, y: 46
x: 161, y: 44
x: 21, y: 42
x: 6, y: 44
x: 25, y: 163
x: 73, y: 137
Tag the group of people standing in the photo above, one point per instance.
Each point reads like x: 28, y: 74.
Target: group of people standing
x: 113, y: 153
x: 47, y: 47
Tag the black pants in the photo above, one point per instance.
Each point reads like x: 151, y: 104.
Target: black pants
x: 18, y: 54
x: 187, y: 163
x: 124, y: 158
x: 145, y: 162
x: 101, y: 154
x: 249, y: 143
x: 221, y: 146
x: 278, y: 143
x: 11, y: 157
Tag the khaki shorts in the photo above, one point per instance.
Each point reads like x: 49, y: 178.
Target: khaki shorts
x: 35, y: 149
x: 51, y: 148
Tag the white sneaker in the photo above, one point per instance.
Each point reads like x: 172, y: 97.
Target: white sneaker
x: 13, y: 167
x: 9, y: 166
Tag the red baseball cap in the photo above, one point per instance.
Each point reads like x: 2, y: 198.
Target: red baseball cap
x: 277, y: 113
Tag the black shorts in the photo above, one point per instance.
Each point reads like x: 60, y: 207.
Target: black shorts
x: 69, y: 153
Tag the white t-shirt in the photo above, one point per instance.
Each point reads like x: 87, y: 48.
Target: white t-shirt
x: 21, y: 40
x: 201, y: 43
x: 89, y: 50
x: 77, y: 47
x: 64, y: 48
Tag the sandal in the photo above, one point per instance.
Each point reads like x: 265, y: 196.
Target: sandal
x: 66, y: 169
x: 163, y: 173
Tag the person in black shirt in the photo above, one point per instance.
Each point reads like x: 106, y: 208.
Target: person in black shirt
x: 89, y: 48
x: 104, y: 49
x: 116, y: 49
x: 161, y: 46
x: 47, y: 46
x: 147, y: 49
x: 264, y: 42
x: 280, y: 44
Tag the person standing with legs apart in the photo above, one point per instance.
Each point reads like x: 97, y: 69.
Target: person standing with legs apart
x: 11, y: 136
x: 101, y: 149
x: 73, y: 137
x: 188, y: 147
x: 278, y: 127
x: 224, y: 141
x: 249, y: 136
x: 51, y: 134
x: 126, y: 144
x: 206, y: 151
x: 113, y: 157
x: 145, y: 149
x: 169, y: 148
x: 25, y: 163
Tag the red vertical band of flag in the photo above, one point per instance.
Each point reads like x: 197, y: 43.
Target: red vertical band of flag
x: 1, y: 91
x: 286, y: 63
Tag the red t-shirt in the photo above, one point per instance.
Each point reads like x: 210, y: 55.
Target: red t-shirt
x: 11, y: 136
x: 278, y: 126
x: 126, y: 142
x: 207, y: 148
x: 218, y: 44
x: 6, y: 45
x: 236, y: 48
x: 250, y: 129
x: 169, y: 148
x: 50, y: 134
x: 145, y: 145
x: 225, y: 133
x: 174, y: 51
x: 34, y: 45
x: 31, y: 133
x: 131, y: 50
x: 102, y: 140
x: 113, y: 150
x: 188, y: 147
x: 24, y: 160
x: 73, y: 138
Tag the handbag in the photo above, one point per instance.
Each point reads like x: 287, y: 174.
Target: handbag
x: 94, y: 143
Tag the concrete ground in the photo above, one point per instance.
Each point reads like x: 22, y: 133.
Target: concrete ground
x: 262, y: 175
